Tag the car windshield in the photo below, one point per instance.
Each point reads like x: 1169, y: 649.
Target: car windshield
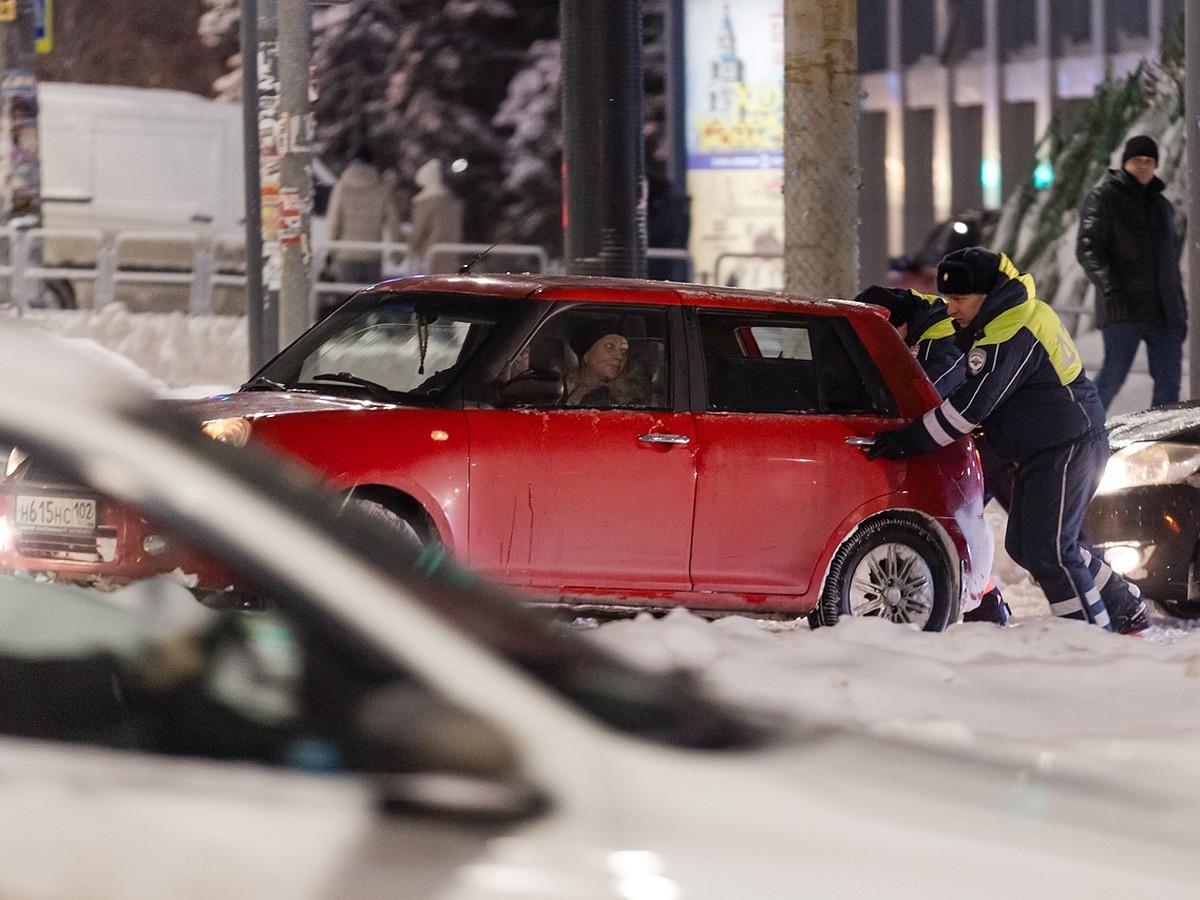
x: 386, y: 343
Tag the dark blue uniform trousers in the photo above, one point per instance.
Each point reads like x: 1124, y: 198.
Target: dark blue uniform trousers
x: 1051, y: 493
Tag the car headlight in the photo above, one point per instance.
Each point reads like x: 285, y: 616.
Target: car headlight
x: 235, y: 431
x: 1143, y: 464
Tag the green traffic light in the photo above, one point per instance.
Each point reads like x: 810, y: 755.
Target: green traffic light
x: 1043, y: 175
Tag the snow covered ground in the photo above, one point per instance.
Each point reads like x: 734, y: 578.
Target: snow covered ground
x: 1064, y: 689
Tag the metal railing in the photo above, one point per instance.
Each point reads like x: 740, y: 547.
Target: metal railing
x: 51, y: 267
x: 721, y: 277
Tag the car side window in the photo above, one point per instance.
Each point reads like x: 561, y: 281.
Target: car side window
x: 758, y: 363
x: 602, y: 357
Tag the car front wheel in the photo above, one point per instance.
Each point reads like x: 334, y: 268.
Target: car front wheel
x: 392, y: 519
x: 892, y: 568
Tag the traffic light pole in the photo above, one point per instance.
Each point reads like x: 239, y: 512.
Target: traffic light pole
x: 1191, y: 105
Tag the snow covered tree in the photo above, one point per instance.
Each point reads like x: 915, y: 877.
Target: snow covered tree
x: 138, y: 43
x: 419, y: 79
x: 218, y: 28
x: 530, y: 118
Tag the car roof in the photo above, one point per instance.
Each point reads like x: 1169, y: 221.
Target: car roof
x: 604, y: 289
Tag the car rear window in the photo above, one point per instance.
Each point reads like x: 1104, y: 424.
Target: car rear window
x: 760, y: 363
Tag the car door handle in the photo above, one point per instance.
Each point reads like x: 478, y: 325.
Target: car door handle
x: 665, y: 439
x: 856, y: 441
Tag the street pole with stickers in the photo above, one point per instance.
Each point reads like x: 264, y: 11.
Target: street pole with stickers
x: 279, y: 190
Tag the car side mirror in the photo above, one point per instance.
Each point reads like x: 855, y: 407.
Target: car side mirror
x: 404, y: 727
x: 539, y: 387
x: 429, y: 757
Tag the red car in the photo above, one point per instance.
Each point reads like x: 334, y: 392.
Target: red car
x: 616, y: 444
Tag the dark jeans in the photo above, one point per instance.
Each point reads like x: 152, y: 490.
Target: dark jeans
x: 1122, y: 598
x: 1164, y: 353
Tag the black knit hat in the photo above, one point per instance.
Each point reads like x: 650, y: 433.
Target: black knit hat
x: 589, y: 331
x: 1139, y: 145
x: 899, y: 302
x: 972, y: 270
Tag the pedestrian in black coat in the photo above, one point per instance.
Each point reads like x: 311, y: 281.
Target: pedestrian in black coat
x: 1129, y: 247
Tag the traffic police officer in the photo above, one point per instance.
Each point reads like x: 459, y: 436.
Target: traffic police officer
x: 926, y: 326
x: 1025, y: 385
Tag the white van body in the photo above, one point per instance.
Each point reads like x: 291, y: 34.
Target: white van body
x: 155, y: 178
x: 123, y: 158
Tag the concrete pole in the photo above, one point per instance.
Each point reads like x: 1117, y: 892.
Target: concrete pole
x: 1043, y: 110
x: 894, y: 171
x: 820, y: 147
x: 943, y: 111
x: 259, y: 353
x: 1191, y: 103
x: 270, y: 167
x: 993, y: 187
x: 295, y: 189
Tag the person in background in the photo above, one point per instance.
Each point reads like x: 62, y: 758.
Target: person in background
x: 1129, y: 247
x: 437, y: 218
x: 361, y: 206
x: 668, y: 222
x: 1026, y: 387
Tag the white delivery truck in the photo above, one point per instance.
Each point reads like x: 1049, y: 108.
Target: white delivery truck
x: 144, y: 172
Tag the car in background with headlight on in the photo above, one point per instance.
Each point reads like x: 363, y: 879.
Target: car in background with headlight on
x: 1145, y: 516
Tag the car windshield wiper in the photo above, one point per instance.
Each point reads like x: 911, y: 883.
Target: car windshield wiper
x: 374, y: 387
x: 263, y: 384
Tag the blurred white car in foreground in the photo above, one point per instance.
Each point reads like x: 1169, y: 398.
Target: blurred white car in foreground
x: 390, y: 731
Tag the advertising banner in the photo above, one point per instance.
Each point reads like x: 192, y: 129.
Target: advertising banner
x: 734, y: 70
x: 43, y: 31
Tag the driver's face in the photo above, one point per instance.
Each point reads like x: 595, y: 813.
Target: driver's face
x: 607, y: 356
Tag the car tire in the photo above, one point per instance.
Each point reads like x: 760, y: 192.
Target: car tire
x: 893, y: 567
x: 1179, y: 609
x: 409, y: 531
x: 54, y: 294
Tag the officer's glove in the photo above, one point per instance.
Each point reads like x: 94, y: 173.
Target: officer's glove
x: 892, y: 445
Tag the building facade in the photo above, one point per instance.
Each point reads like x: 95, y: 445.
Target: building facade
x: 957, y: 93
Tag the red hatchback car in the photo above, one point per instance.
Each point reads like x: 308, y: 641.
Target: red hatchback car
x: 613, y: 445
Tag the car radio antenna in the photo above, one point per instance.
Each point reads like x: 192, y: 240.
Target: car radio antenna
x: 504, y: 235
x: 466, y: 269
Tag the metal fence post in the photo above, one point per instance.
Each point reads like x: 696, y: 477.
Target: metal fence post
x: 200, y: 296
